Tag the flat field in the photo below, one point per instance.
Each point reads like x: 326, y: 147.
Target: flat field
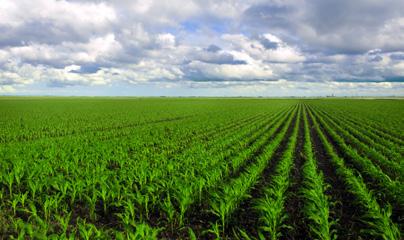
x: 201, y: 168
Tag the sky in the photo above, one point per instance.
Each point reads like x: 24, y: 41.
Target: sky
x: 202, y: 47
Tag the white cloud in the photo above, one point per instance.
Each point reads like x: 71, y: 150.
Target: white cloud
x: 13, y: 75
x: 54, y: 22
x: 399, y: 68
x: 100, y: 47
x: 241, y: 58
x: 135, y: 36
x: 9, y: 14
x: 164, y: 12
x: 173, y: 12
x: 36, y: 52
x: 251, y: 71
x: 391, y: 35
x: 96, y: 49
x: 151, y: 70
x: 7, y: 89
x: 79, y: 16
x: 281, y: 51
x: 166, y: 40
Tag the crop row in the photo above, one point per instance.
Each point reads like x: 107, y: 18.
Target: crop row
x: 248, y: 169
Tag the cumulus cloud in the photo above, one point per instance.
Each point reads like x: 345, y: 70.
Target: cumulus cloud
x: 212, y: 72
x: 398, y: 68
x: 166, y: 40
x: 243, y: 59
x: 53, y: 22
x: 267, y: 47
x: 336, y: 26
x: 254, y: 44
x: 96, y: 49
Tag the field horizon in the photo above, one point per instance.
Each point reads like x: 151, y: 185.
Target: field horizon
x: 202, y: 96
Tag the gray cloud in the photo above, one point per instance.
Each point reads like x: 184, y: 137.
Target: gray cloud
x: 212, y: 48
x: 397, y: 56
x: 269, y: 44
x: 332, y: 26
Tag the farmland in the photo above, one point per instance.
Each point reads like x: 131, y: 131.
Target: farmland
x: 201, y: 168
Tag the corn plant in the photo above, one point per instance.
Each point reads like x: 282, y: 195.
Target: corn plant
x: 377, y: 219
x: 150, y: 165
x: 316, y: 203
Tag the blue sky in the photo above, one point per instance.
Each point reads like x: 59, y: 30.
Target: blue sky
x: 202, y: 48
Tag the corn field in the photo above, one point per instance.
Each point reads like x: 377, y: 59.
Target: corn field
x: 201, y: 168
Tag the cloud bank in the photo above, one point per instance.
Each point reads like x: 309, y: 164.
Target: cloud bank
x: 233, y: 47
